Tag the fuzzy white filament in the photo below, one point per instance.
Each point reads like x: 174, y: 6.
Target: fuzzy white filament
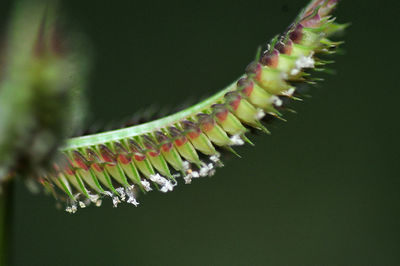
x: 237, y: 140
x: 146, y: 185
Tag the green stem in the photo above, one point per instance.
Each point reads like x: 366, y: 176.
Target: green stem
x: 136, y: 130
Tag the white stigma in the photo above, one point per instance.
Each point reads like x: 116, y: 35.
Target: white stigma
x: 98, y: 203
x: 115, y: 201
x: 121, y: 193
x: 133, y: 201
x: 72, y: 208
x: 289, y: 92
x: 188, y: 179
x: 276, y: 101
x: 94, y: 198
x: 131, y: 196
x: 186, y: 165
x: 190, y: 174
x: 237, y: 140
x: 108, y: 193
x: 157, y: 178
x: 215, y: 158
x: 203, y: 171
x: 146, y: 185
x: 260, y: 113
x: 303, y: 62
x: 295, y: 71
x: 166, y: 184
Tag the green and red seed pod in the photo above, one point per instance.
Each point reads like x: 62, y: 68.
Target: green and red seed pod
x: 227, y: 120
x: 244, y: 110
x: 164, y: 141
x: 284, y: 47
x: 151, y: 147
x: 311, y: 37
x: 80, y: 161
x: 324, y: 7
x: 127, y: 164
x: 94, y: 159
x: 270, y: 79
x: 177, y: 136
x: 169, y: 151
x: 112, y: 165
x: 257, y: 95
x: 270, y: 58
x: 74, y: 177
x: 184, y: 147
x: 85, y: 173
x: 107, y: 155
x: 155, y: 156
x: 212, y: 130
x: 313, y: 20
x: 62, y: 183
x: 140, y: 158
x: 99, y: 169
x: 275, y: 59
x: 124, y: 157
x: 137, y: 151
x: 60, y: 180
x: 68, y: 166
x: 198, y: 138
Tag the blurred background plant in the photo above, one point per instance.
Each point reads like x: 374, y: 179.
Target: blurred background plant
x: 41, y: 101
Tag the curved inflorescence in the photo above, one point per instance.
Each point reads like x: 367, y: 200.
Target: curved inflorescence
x: 118, y: 164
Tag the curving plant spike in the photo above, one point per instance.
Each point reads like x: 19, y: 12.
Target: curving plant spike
x: 151, y: 156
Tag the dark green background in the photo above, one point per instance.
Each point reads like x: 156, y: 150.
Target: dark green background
x: 322, y: 190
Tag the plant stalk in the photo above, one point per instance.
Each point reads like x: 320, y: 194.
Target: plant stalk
x: 5, y: 222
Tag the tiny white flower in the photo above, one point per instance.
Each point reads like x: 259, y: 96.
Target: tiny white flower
x: 186, y: 165
x: 98, y: 203
x: 146, y: 185
x: 276, y: 101
x: 260, y: 114
x: 305, y: 62
x: 108, y: 193
x: 132, y: 200
x: 72, y: 208
x: 203, y: 171
x: 115, y: 201
x: 167, y: 187
x: 93, y: 197
x: 121, y: 193
x: 157, y: 178
x: 289, y: 92
x: 195, y: 174
x: 295, y: 71
x: 191, y: 174
x: 214, y: 158
x: 188, y: 179
x: 237, y: 140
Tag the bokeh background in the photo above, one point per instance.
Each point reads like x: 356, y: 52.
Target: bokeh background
x: 323, y: 189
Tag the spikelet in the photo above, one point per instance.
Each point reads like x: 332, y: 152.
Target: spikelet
x: 186, y: 145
